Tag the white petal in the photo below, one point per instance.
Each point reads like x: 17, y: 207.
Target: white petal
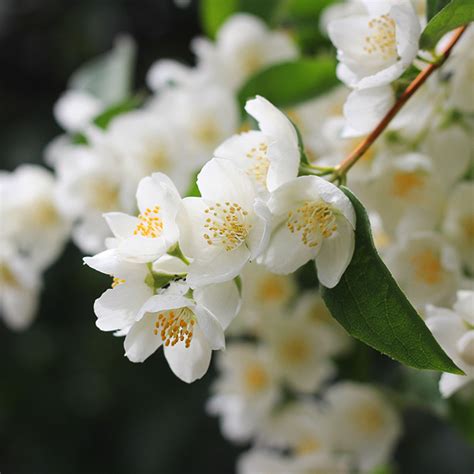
x: 163, y: 302
x: 210, y: 327
x: 143, y: 249
x: 451, y: 383
x: 221, y: 299
x: 122, y: 225
x: 158, y: 190
x: 141, y: 341
x: 190, y: 364
x: 109, y: 262
x: 259, y: 237
x: 335, y: 254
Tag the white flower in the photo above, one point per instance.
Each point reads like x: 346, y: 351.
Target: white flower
x: 270, y: 156
x: 364, y: 425
x: 29, y: 214
x: 189, y: 326
x: 19, y: 288
x: 375, y: 48
x: 75, y: 109
x: 458, y: 224
x: 301, y: 426
x: 425, y: 267
x: 365, y: 108
x: 300, y: 350
x: 312, y: 219
x: 150, y: 235
x: 89, y: 184
x: 223, y: 229
x: 406, y: 191
x: 454, y: 332
x: 263, y: 293
x: 243, y: 46
x: 245, y: 391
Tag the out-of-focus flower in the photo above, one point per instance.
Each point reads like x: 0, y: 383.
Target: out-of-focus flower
x: 243, y: 45
x: 225, y: 228
x: 30, y: 216
x: 376, y: 47
x: 150, y: 235
x: 425, y: 267
x: 454, y: 332
x: 458, y: 224
x: 312, y: 219
x: 270, y: 156
x: 19, y: 287
x: 364, y: 425
x: 246, y: 390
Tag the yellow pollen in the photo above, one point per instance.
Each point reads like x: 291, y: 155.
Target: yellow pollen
x: 427, y: 267
x: 260, y: 163
x: 312, y: 220
x: 226, y: 225
x: 273, y: 288
x: 150, y: 224
x: 255, y: 378
x: 382, y: 38
x: 175, y: 325
x: 7, y: 277
x: 295, y: 350
x: 467, y: 224
x: 307, y: 446
x: 117, y: 281
x: 206, y: 132
x: 368, y: 419
x: 406, y: 183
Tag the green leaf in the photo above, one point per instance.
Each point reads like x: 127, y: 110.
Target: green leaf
x: 193, y: 190
x: 109, y: 76
x: 214, y: 12
x: 456, y: 13
x: 289, y: 83
x: 434, y: 6
x: 368, y: 303
x: 103, y: 120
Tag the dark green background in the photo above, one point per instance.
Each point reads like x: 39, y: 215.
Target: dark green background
x: 69, y: 401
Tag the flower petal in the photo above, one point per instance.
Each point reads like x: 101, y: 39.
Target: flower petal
x: 141, y: 341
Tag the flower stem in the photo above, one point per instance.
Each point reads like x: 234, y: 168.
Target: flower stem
x: 420, y: 79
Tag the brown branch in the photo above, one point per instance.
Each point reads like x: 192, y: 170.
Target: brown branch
x: 359, y: 151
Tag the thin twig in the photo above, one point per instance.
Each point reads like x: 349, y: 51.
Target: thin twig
x: 420, y: 79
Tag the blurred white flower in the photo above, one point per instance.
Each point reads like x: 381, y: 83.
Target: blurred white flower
x: 245, y: 391
x: 30, y: 216
x: 426, y: 268
x: 455, y: 333
x: 243, y: 45
x: 225, y: 228
x: 458, y: 224
x: 364, y: 425
x: 150, y: 235
x: 312, y: 219
x: 19, y: 288
x: 270, y: 156
x: 374, y: 48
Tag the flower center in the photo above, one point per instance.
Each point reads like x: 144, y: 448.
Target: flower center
x: 427, y: 267
x: 175, y: 325
x: 226, y: 225
x: 467, y: 224
x: 382, y: 37
x: 368, y: 419
x: 311, y: 220
x: 150, y: 224
x: 102, y: 195
x: 252, y: 60
x: 406, y: 183
x: 260, y: 163
x: 7, y: 277
x: 206, y: 132
x: 44, y: 214
x: 274, y: 288
x: 307, y: 446
x: 255, y: 378
x: 156, y: 159
x: 117, y: 281
x: 295, y: 350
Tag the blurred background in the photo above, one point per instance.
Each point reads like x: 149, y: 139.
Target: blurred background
x: 69, y: 401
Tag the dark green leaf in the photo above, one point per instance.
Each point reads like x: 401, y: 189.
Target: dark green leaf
x: 103, y: 120
x: 289, y: 83
x: 214, y: 12
x: 434, y: 6
x: 368, y: 303
x: 456, y: 13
